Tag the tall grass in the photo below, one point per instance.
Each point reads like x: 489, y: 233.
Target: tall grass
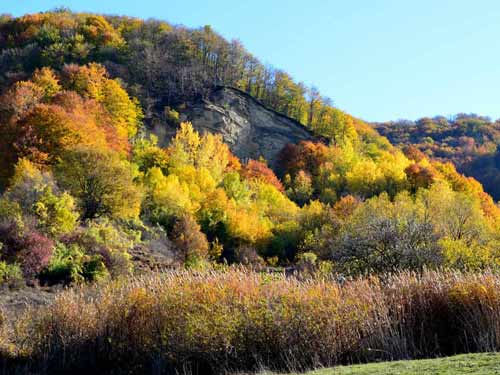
x: 240, y: 321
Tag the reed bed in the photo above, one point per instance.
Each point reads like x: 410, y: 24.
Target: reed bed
x: 239, y: 320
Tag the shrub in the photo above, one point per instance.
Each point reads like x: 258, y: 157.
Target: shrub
x: 248, y: 256
x: 307, y: 262
x: 106, y: 244
x: 11, y: 275
x: 35, y: 254
x: 258, y: 170
x: 10, y: 211
x: 191, y: 243
x: 102, y: 182
x: 56, y: 214
x: 31, y: 249
x: 69, y: 264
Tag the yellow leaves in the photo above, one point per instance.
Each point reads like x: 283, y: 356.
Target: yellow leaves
x: 213, y: 155
x: 169, y: 192
x: 365, y: 178
x: 461, y: 255
x: 86, y: 80
x: 25, y: 170
x: 98, y: 30
x: 147, y: 154
x: 46, y: 79
x: 56, y: 214
x: 336, y: 125
x: 45, y: 121
x: 273, y: 203
x: 455, y: 215
x: 91, y: 82
x: 125, y: 112
x: 198, y: 181
x: 208, y: 152
x: 186, y: 143
x: 103, y: 182
x: 246, y: 223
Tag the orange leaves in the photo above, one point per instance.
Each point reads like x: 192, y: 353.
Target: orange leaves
x: 420, y: 176
x: 93, y: 123
x: 50, y: 129
x: 260, y: 171
x: 44, y: 134
x: 86, y: 80
x: 41, y: 121
x: 306, y: 155
x: 413, y: 153
x: 19, y: 99
x: 90, y: 81
x: 188, y: 237
x: 99, y: 31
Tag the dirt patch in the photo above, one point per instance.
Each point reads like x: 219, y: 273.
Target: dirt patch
x: 14, y: 302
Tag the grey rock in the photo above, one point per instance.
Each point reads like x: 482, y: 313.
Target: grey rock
x: 250, y: 129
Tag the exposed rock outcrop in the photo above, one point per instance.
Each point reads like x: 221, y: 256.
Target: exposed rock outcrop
x: 248, y: 127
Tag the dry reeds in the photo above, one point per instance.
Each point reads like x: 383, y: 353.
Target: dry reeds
x: 241, y: 320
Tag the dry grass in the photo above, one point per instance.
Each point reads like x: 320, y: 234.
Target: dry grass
x: 241, y: 321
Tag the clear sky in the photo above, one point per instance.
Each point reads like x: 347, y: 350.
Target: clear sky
x: 377, y: 59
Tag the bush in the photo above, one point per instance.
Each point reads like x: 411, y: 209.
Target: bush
x: 307, y: 262
x: 11, y: 275
x: 69, y: 264
x: 248, y: 256
x: 105, y: 243
x: 102, y: 182
x: 56, y: 214
x: 31, y: 249
x: 191, y: 243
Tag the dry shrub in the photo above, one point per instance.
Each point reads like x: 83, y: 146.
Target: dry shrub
x: 213, y: 322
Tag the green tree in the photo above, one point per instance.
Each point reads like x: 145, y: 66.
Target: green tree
x: 102, y: 182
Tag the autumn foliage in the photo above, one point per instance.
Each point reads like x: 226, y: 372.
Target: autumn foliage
x: 80, y: 95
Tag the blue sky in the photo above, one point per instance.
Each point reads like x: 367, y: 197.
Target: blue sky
x: 377, y: 59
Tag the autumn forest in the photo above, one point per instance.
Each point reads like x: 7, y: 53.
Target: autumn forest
x: 376, y: 232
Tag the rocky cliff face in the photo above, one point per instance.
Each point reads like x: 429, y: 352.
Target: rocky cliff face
x: 249, y: 128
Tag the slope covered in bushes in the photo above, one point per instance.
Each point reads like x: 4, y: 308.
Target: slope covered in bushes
x: 85, y: 187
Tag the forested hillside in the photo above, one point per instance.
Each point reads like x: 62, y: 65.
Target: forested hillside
x: 86, y: 184
x: 338, y: 248
x: 164, y: 66
x: 468, y: 141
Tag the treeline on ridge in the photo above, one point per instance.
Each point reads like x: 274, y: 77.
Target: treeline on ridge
x: 468, y: 141
x: 163, y: 65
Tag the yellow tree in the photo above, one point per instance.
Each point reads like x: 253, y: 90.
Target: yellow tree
x: 102, y: 182
x: 46, y: 79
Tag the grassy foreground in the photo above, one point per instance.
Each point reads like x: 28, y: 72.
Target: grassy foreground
x: 470, y: 364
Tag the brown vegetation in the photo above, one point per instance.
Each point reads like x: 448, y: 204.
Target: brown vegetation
x: 240, y: 320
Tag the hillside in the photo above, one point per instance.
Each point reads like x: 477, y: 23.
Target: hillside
x: 164, y: 66
x: 470, y: 142
x: 150, y: 131
x: 169, y: 203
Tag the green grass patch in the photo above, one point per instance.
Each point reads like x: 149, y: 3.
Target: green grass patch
x: 470, y: 364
